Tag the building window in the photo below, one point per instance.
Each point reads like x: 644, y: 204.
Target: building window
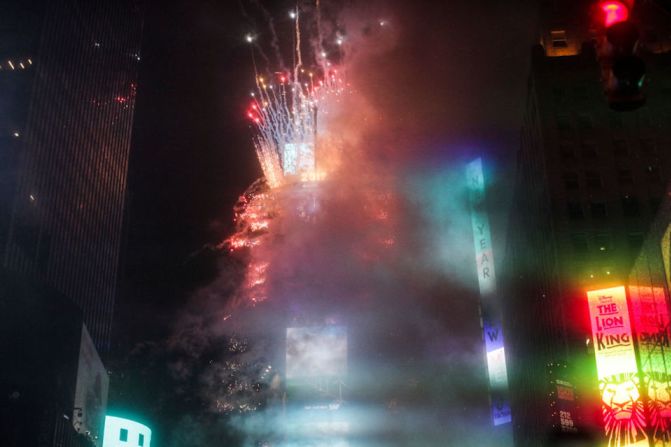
x: 559, y: 95
x: 635, y: 241
x: 603, y: 242
x: 625, y: 177
x: 580, y: 93
x: 630, y: 206
x: 598, y: 210
x: 140, y: 440
x: 574, y: 210
x: 648, y: 146
x: 579, y: 243
x: 567, y: 152
x: 559, y: 39
x: 563, y: 123
x: 571, y: 181
x: 588, y: 151
x: 620, y: 148
x: 652, y: 173
x: 593, y: 179
x: 616, y: 121
x: 123, y: 435
x: 584, y: 121
x: 644, y: 118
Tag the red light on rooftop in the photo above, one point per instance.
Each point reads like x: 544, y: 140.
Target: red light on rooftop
x: 614, y: 12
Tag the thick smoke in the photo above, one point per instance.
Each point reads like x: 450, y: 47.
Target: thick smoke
x: 385, y: 250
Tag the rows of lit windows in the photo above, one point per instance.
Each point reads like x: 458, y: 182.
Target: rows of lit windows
x: 16, y: 64
x: 588, y: 151
x: 592, y: 179
x: 630, y: 206
x: 602, y: 242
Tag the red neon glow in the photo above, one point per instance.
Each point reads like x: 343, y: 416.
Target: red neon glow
x: 614, y: 12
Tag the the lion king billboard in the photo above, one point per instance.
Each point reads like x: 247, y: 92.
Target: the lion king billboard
x: 621, y: 402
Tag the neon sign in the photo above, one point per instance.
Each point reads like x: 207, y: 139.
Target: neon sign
x: 621, y: 403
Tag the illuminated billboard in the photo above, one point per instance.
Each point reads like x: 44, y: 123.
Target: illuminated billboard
x: 484, y: 255
x: 91, y: 390
x: 498, y: 374
x: 621, y: 403
x: 121, y: 432
x: 316, y: 352
x: 650, y: 317
x: 484, y: 262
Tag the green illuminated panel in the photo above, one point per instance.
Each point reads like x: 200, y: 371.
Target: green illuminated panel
x: 120, y: 432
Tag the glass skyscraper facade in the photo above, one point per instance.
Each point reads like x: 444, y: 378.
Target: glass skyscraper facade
x: 69, y: 77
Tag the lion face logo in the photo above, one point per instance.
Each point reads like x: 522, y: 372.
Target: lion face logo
x: 622, y: 409
x: 659, y: 404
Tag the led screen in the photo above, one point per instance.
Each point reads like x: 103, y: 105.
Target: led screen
x: 298, y: 158
x: 621, y: 404
x: 316, y: 352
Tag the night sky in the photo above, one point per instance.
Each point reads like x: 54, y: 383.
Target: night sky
x: 451, y: 85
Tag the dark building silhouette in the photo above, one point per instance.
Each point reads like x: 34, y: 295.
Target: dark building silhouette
x: 53, y: 386
x: 67, y: 96
x: 68, y: 79
x: 589, y: 182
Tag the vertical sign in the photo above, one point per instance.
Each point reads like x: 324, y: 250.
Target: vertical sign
x: 565, y: 405
x: 498, y: 374
x: 484, y: 256
x: 563, y: 398
x: 650, y: 317
x: 484, y: 260
x: 621, y: 404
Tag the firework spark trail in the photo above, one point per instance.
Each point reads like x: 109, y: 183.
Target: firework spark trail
x: 286, y: 111
x: 285, y: 108
x: 274, y: 40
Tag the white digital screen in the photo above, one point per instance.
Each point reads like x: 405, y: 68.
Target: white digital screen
x: 314, y: 352
x: 298, y: 158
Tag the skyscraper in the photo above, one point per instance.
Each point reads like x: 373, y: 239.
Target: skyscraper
x: 68, y: 70
x: 589, y: 181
